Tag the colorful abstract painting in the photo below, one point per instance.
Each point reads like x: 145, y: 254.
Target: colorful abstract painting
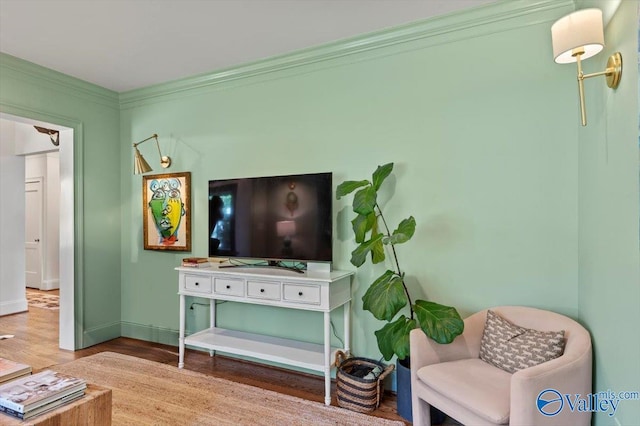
x: 167, y: 211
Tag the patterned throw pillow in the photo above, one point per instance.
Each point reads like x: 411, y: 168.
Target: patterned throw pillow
x: 512, y: 348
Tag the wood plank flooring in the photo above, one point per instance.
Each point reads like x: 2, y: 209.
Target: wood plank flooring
x: 36, y: 343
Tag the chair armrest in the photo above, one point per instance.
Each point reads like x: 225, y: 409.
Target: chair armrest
x: 426, y: 351
x: 568, y: 374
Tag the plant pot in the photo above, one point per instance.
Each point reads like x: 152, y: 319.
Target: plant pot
x: 403, y: 392
x: 403, y: 389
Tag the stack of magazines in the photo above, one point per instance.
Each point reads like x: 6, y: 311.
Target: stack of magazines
x: 38, y: 393
x: 10, y: 370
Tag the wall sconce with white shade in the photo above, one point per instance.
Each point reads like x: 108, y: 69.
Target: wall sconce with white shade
x: 140, y: 165
x: 578, y: 36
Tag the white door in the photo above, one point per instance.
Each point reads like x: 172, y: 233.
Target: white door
x: 33, y: 233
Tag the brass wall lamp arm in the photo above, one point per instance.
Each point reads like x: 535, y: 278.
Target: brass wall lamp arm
x: 140, y: 165
x: 612, y: 72
x: 153, y: 136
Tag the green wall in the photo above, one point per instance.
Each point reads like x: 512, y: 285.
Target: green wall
x: 609, y: 273
x: 470, y: 107
x: 515, y: 202
x: 31, y: 91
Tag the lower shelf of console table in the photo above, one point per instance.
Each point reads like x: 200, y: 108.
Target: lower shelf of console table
x: 318, y: 292
x: 285, y: 351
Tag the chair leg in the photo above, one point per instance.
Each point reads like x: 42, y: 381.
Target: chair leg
x: 421, y: 412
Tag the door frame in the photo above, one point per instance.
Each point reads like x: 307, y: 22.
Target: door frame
x: 71, y: 221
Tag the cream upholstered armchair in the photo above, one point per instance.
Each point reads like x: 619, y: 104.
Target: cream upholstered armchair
x: 455, y: 380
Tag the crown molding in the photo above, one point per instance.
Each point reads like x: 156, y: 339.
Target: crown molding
x: 35, y: 74
x: 503, y: 15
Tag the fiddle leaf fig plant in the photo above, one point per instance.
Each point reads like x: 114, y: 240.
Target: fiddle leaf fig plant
x: 389, y: 294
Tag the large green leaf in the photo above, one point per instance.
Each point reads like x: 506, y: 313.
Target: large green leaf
x: 361, y: 225
x: 385, y: 296
x: 403, y: 233
x: 381, y: 174
x: 359, y: 255
x: 348, y: 186
x: 377, y: 250
x: 364, y: 201
x: 441, y: 323
x: 393, y: 338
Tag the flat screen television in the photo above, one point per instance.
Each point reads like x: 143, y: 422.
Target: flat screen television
x: 273, y: 218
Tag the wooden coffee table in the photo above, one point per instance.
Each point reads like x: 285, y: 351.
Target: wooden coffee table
x: 93, y: 409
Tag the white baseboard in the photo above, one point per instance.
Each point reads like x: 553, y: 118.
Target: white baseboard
x: 50, y: 284
x: 13, y: 306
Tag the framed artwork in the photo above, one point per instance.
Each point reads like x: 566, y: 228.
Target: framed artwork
x: 166, y: 207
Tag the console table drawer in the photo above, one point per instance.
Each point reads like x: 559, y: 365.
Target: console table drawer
x: 228, y: 286
x: 301, y: 293
x: 197, y: 283
x: 263, y: 290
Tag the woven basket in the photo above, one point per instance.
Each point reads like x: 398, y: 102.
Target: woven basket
x: 357, y: 393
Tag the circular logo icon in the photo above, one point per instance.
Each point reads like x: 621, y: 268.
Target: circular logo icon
x: 549, y: 402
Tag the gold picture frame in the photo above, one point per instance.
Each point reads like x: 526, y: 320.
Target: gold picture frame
x: 166, y: 207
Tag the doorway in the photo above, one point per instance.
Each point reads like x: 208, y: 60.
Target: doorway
x: 42, y: 220
x: 33, y: 224
x: 28, y: 141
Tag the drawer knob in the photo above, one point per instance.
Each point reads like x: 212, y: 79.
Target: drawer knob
x: 262, y: 290
x: 197, y: 284
x: 228, y: 286
x: 299, y: 293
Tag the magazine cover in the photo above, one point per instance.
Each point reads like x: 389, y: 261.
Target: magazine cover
x: 30, y: 392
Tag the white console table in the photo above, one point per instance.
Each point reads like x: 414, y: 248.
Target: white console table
x: 308, y: 291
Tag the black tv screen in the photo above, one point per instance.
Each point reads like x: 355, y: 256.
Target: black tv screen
x: 272, y: 218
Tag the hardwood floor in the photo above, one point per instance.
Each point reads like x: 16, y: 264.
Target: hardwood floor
x: 36, y: 343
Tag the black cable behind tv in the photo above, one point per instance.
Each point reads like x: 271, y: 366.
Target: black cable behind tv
x: 270, y: 264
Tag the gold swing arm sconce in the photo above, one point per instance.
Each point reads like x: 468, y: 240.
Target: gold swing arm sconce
x: 579, y: 36
x: 140, y: 165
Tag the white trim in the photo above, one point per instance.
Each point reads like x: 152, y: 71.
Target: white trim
x: 70, y: 220
x: 13, y: 306
x: 68, y: 288
x: 50, y: 284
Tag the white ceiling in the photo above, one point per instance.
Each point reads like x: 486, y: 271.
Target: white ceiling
x: 127, y: 44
